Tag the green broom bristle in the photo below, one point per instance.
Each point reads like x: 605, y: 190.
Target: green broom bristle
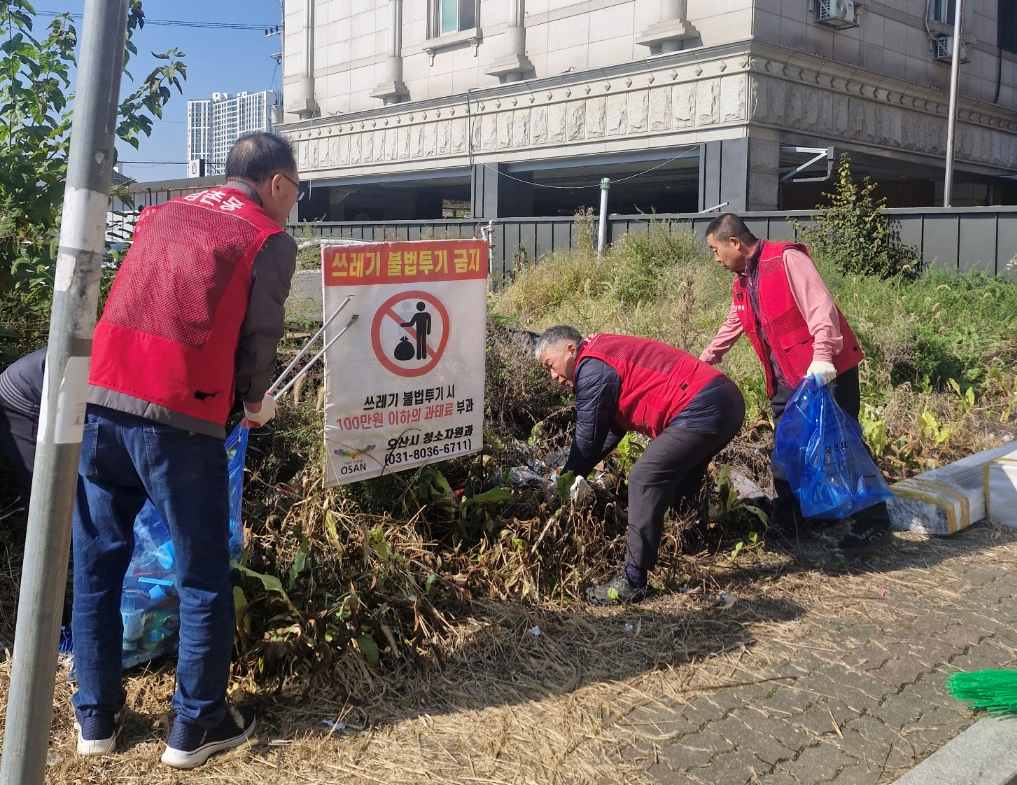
x: 993, y: 690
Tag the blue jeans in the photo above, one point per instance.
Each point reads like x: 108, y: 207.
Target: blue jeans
x: 124, y: 461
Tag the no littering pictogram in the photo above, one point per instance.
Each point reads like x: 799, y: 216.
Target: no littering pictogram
x: 421, y: 332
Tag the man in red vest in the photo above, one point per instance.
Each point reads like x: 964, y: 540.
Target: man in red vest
x: 689, y: 410
x: 779, y: 301
x: 193, y: 318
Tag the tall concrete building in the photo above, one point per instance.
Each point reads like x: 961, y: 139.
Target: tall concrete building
x: 199, y: 130
x: 214, y: 125
x: 519, y: 107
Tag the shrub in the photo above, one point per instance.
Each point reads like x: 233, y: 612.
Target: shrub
x: 641, y: 263
x: 853, y: 233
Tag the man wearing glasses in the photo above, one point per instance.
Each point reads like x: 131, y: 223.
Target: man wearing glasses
x: 193, y: 319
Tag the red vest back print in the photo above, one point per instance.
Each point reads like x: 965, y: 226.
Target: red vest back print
x: 169, y: 332
x: 657, y: 380
x: 782, y: 323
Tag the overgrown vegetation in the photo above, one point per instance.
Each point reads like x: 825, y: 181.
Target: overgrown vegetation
x: 380, y: 574
x: 354, y: 584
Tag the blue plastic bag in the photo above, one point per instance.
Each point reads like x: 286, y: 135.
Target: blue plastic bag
x: 149, y: 605
x: 820, y: 452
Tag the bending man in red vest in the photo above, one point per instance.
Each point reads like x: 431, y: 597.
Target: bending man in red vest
x: 779, y: 301
x: 690, y: 411
x: 193, y: 317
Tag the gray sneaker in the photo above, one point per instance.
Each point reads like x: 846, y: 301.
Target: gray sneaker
x: 617, y: 591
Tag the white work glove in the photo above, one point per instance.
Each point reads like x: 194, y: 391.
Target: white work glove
x: 256, y: 419
x: 581, y: 493
x: 822, y: 371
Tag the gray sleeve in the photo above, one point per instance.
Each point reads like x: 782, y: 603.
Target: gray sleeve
x: 263, y: 324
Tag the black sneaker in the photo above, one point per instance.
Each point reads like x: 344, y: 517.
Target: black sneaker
x: 189, y: 745
x: 617, y: 591
x: 97, y: 734
x: 865, y: 533
x: 784, y: 519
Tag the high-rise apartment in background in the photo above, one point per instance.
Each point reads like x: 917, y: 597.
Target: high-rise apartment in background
x: 214, y: 125
x: 199, y: 127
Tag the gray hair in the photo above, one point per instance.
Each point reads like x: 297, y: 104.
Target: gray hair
x: 259, y: 155
x: 554, y: 335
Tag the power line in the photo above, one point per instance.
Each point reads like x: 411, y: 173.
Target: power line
x: 580, y: 186
x: 577, y: 186
x: 182, y: 22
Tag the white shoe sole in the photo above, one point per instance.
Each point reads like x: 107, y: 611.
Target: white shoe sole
x: 179, y: 759
x: 91, y: 747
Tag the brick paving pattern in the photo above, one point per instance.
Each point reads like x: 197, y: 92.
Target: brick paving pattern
x: 853, y: 692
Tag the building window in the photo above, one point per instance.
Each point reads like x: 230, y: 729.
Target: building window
x: 941, y: 11
x: 453, y: 16
x: 1008, y: 25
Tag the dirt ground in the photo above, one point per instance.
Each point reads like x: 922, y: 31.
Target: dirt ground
x: 773, y: 674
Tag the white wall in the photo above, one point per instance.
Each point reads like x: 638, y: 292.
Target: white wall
x: 562, y: 36
x: 891, y: 39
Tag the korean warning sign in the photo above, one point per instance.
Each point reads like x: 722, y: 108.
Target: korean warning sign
x: 404, y: 386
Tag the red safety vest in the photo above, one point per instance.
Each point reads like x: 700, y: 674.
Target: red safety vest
x: 657, y: 380
x: 782, y: 323
x: 168, y: 334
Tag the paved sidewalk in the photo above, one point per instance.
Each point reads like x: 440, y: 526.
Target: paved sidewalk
x: 852, y: 693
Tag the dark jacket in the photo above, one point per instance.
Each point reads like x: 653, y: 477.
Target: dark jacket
x: 597, y: 385
x: 21, y: 384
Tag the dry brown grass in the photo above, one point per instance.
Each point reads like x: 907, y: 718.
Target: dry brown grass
x: 569, y: 705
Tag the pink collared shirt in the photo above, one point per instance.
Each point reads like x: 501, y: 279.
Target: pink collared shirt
x: 814, y: 302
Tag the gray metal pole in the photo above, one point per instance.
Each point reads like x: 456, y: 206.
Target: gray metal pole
x: 605, y: 186
x: 72, y: 321
x: 951, y: 128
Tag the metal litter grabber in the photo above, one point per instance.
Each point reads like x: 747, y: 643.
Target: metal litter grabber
x: 278, y: 388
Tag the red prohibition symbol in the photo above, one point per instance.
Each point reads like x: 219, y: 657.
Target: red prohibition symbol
x: 386, y: 311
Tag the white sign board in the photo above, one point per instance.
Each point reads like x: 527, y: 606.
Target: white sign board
x: 405, y: 385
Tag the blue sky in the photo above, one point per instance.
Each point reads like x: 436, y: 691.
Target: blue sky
x: 226, y: 60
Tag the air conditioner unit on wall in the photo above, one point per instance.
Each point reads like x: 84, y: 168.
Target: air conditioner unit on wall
x: 942, y: 49
x: 838, y: 14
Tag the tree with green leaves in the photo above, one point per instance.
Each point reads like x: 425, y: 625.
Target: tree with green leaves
x: 36, y: 105
x: 854, y: 233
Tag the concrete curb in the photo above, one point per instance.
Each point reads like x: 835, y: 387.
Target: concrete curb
x: 984, y: 754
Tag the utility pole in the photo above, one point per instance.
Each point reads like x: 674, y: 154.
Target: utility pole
x: 72, y: 322
x: 605, y: 187
x: 951, y: 128
x: 275, y: 111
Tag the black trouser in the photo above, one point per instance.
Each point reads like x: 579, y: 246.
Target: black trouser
x: 671, y: 471
x: 17, y: 444
x: 847, y: 394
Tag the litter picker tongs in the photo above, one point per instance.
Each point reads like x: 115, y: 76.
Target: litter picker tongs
x: 278, y: 388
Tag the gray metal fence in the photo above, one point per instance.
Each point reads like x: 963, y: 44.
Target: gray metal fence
x: 961, y: 238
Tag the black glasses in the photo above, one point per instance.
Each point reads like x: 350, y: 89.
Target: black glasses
x: 296, y: 184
